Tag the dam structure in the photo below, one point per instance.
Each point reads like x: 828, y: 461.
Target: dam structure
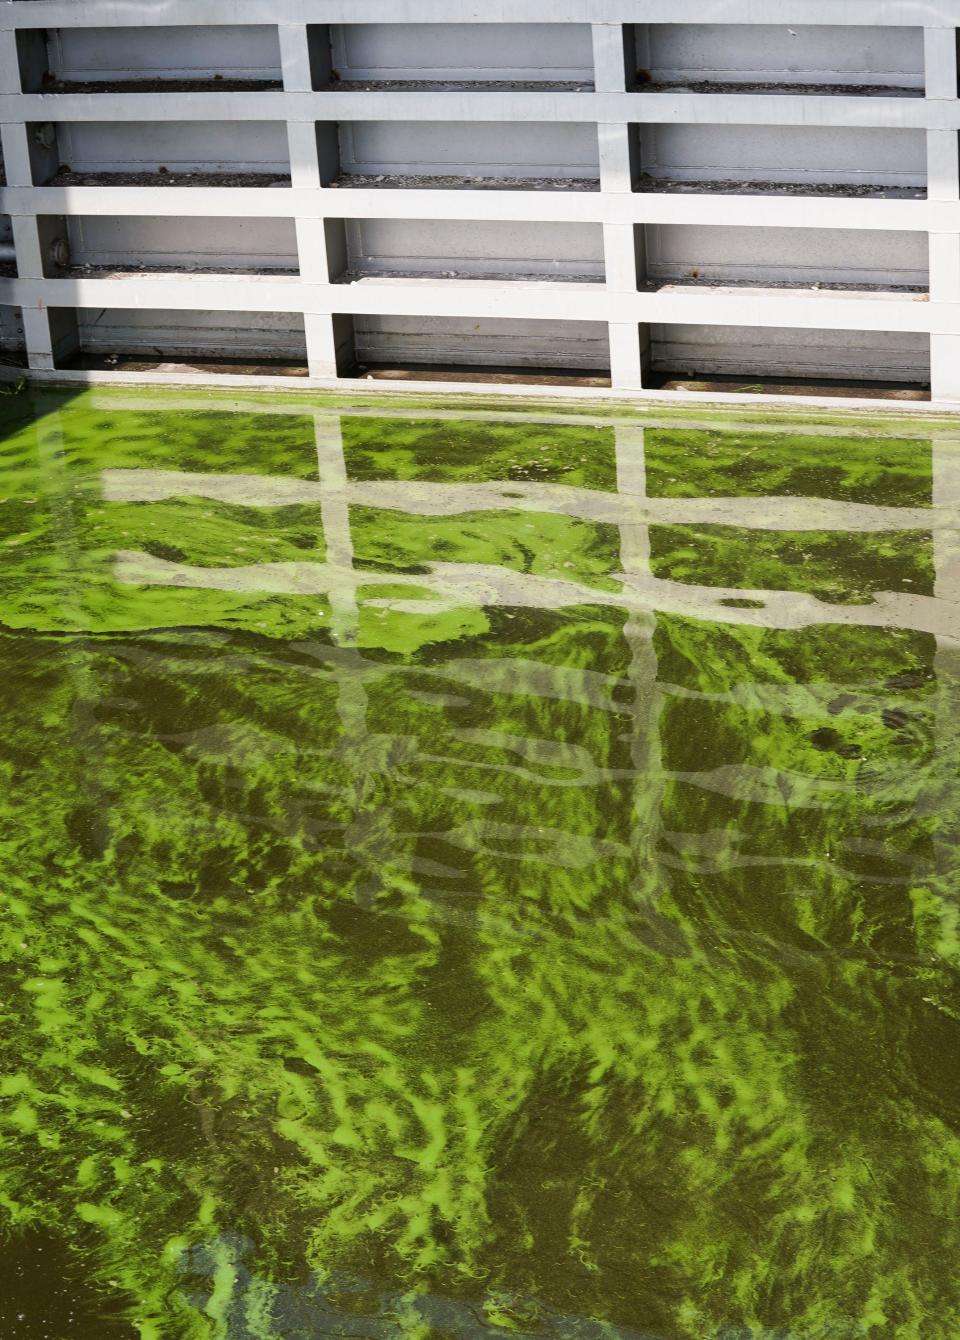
x: 643, y: 198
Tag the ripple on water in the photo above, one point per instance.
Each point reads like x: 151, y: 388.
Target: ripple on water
x: 476, y: 873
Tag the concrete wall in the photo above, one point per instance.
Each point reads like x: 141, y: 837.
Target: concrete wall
x: 744, y: 351
x: 254, y: 246
x: 484, y: 343
x: 829, y: 155
x: 487, y: 248
x: 860, y: 187
x: 476, y: 51
x: 121, y: 54
x: 268, y: 335
x: 804, y: 54
x: 802, y: 256
x: 177, y: 146
x: 471, y: 149
x: 11, y: 335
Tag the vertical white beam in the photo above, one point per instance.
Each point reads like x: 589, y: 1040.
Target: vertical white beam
x: 9, y: 64
x: 620, y: 257
x: 945, y: 368
x: 38, y: 339
x: 295, y: 58
x: 944, y: 267
x: 616, y: 159
x: 945, y: 287
x: 16, y: 153
x: 321, y: 345
x: 609, y: 60
x: 304, y: 158
x: 943, y: 176
x: 943, y: 164
x: 940, y: 62
x: 312, y: 250
x: 613, y: 137
x: 297, y: 78
x: 26, y: 240
x: 305, y: 175
x: 626, y: 369
x: 616, y: 177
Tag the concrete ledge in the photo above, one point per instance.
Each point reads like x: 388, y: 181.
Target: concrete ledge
x: 797, y: 405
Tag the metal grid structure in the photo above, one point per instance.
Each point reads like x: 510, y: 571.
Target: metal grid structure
x: 618, y: 307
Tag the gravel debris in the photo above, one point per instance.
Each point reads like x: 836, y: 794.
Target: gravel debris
x: 500, y: 375
x: 65, y: 177
x: 502, y: 276
x: 663, y: 380
x: 424, y: 182
x: 458, y: 86
x: 867, y: 189
x: 164, y: 86
x: 837, y: 286
x: 125, y: 271
x: 180, y: 362
x: 815, y: 90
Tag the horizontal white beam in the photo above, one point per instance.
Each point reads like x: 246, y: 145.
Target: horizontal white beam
x: 752, y: 109
x: 760, y: 211
x: 141, y: 13
x: 522, y: 300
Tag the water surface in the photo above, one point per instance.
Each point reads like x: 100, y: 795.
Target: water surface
x: 472, y: 874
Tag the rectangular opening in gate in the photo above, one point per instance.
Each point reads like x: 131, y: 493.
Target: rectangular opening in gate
x: 132, y: 244
x: 755, y: 359
x: 12, y: 342
x: 780, y: 58
x: 435, y: 56
x: 488, y: 249
x: 160, y: 153
x: 470, y: 155
x: 432, y: 348
x: 138, y: 59
x: 711, y: 255
x: 153, y: 340
x: 864, y: 161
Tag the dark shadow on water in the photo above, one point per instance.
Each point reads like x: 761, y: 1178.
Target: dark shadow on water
x: 46, y: 1293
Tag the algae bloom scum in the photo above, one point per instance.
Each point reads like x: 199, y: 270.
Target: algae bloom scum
x: 476, y: 873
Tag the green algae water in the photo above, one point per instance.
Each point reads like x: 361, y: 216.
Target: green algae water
x: 468, y: 873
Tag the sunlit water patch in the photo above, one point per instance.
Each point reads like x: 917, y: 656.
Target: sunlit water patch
x: 476, y: 876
